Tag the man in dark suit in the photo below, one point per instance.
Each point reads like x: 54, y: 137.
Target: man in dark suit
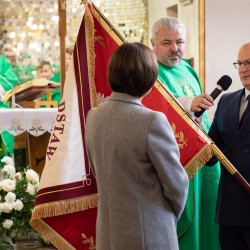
x: 230, y: 131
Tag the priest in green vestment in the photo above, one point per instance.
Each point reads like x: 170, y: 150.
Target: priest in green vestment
x: 7, y: 75
x: 196, y: 228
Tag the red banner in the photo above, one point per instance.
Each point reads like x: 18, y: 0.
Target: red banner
x: 66, y: 207
x: 194, y: 145
x: 66, y: 204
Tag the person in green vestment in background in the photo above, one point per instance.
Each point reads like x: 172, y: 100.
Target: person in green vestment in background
x: 47, y: 72
x: 196, y: 228
x: 44, y: 70
x: 7, y: 78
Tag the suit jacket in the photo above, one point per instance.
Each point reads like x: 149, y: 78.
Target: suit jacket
x: 233, y: 202
x: 141, y: 184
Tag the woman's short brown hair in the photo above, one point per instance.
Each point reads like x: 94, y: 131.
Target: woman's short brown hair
x: 132, y: 69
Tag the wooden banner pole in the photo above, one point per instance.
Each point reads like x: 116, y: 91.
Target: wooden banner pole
x: 62, y: 31
x: 231, y: 169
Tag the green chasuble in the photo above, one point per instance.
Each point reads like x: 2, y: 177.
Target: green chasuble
x: 6, y: 139
x: 55, y: 95
x: 196, y: 228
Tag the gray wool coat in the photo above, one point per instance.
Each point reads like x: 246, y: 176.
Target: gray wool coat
x: 141, y: 184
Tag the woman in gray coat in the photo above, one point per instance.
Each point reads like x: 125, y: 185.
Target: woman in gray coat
x: 134, y: 155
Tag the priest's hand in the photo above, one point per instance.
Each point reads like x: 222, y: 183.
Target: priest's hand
x: 204, y: 101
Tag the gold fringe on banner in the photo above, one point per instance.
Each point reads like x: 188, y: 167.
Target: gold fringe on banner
x: 89, y: 32
x: 49, y: 234
x: 197, y: 162
x: 56, y: 208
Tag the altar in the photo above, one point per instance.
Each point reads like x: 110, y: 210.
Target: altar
x: 31, y: 128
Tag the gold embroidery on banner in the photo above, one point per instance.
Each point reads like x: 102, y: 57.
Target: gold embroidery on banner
x: 61, y: 190
x: 86, y: 179
x: 90, y: 40
x: 98, y: 39
x: 89, y: 241
x: 179, y: 137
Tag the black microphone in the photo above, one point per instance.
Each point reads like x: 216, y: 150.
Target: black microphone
x: 223, y: 84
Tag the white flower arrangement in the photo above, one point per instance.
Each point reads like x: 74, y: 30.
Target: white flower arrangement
x: 17, y: 195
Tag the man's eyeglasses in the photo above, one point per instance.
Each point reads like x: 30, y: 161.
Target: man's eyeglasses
x: 238, y: 64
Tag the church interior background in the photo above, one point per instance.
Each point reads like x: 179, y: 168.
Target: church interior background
x: 29, y: 30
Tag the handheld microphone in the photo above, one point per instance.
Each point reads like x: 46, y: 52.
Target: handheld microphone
x: 13, y: 92
x: 223, y: 84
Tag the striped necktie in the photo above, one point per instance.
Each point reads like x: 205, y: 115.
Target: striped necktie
x: 246, y: 112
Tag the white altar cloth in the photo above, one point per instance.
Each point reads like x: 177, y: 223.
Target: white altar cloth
x: 34, y: 121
